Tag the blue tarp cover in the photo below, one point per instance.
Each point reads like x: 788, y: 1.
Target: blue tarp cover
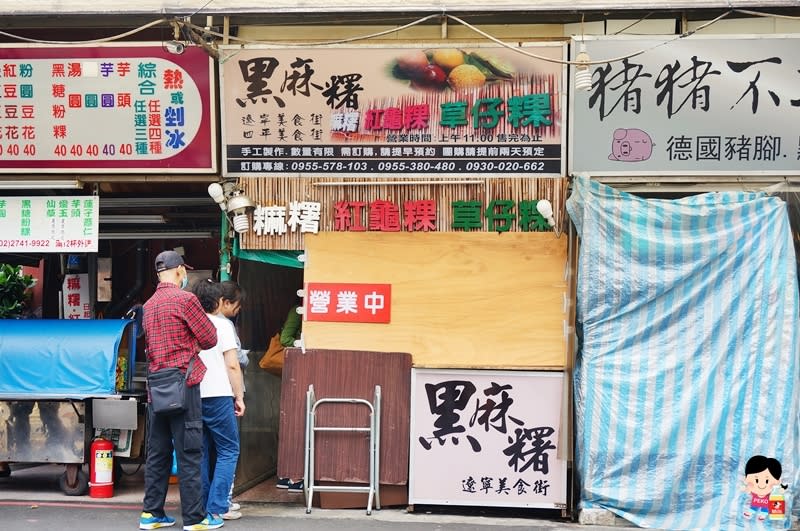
x: 687, y: 365
x: 59, y: 358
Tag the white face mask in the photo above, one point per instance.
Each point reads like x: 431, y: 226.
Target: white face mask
x: 184, y: 281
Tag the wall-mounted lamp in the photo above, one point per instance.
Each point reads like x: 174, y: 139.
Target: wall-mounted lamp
x: 583, y: 77
x: 234, y: 202
x: 217, y: 193
x: 545, y: 208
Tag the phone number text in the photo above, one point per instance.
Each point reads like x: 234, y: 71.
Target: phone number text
x: 25, y: 243
x: 399, y: 166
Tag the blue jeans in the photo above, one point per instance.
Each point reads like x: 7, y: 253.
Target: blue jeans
x: 221, y: 434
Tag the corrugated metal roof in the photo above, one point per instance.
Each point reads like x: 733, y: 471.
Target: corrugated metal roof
x: 221, y: 7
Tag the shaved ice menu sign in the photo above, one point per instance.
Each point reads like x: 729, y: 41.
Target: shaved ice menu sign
x: 106, y: 109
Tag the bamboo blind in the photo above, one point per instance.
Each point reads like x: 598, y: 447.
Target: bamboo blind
x: 269, y: 191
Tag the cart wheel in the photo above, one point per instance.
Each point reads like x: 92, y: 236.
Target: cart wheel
x: 80, y: 488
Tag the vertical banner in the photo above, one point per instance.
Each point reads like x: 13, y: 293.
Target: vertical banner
x: 75, y: 290
x: 486, y: 438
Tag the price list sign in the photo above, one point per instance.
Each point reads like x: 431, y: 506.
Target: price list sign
x: 49, y: 224
x: 106, y: 109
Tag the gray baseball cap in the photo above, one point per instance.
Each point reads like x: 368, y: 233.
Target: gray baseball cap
x: 169, y: 260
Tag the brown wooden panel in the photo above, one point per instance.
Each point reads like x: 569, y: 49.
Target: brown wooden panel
x: 344, y: 457
x: 459, y: 300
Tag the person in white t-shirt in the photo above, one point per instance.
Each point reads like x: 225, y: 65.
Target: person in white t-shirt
x: 232, y: 298
x: 223, y: 400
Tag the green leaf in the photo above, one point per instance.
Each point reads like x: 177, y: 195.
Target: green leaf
x: 13, y: 285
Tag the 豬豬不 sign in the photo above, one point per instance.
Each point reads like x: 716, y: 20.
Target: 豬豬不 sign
x: 702, y: 105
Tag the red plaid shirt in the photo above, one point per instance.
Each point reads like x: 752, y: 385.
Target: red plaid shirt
x: 176, y: 328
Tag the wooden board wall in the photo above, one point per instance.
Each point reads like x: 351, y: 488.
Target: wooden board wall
x: 461, y: 300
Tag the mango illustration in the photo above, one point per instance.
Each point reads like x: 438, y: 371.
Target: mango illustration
x: 466, y: 77
x: 447, y: 58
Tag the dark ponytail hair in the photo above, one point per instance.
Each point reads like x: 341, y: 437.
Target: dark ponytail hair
x: 208, y: 293
x: 231, y: 291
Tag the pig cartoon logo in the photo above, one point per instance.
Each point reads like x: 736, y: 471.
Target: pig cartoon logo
x: 631, y: 145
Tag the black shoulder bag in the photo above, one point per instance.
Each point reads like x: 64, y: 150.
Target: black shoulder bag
x: 168, y: 390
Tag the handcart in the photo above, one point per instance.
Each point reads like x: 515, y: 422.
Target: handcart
x: 60, y: 381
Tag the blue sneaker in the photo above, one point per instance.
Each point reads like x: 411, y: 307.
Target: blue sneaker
x: 151, y: 521
x: 209, y: 522
x: 283, y: 483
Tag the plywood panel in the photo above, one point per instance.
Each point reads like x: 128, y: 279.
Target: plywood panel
x: 459, y: 300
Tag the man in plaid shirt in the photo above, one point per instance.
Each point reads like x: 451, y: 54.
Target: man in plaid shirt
x: 176, y: 329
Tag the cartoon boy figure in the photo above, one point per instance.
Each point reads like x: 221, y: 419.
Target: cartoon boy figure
x: 761, y: 475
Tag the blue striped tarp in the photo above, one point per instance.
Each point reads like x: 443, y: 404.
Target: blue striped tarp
x: 688, y: 355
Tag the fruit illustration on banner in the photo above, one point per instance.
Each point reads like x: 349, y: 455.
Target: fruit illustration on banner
x: 466, y: 77
x: 450, y: 68
x: 412, y: 64
x: 448, y: 58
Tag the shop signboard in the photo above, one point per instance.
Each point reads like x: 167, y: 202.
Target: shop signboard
x: 290, y: 210
x: 111, y: 108
x: 725, y: 105
x: 487, y: 438
x: 348, y: 302
x: 62, y: 224
x: 75, y: 294
x: 372, y: 110
x: 495, y: 215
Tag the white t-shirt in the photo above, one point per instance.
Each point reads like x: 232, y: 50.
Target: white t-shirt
x: 216, y: 381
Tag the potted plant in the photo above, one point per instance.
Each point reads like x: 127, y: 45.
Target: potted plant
x: 13, y: 291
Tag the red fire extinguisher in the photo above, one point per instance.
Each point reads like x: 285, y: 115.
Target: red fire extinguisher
x: 101, y: 469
